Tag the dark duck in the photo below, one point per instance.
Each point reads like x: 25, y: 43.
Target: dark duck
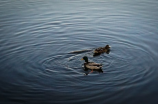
x: 101, y: 50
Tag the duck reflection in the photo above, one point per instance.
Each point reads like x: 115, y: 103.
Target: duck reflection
x: 87, y: 71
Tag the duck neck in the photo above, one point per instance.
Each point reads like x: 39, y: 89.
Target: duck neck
x: 86, y: 60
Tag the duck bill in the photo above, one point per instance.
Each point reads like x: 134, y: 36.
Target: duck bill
x: 82, y: 59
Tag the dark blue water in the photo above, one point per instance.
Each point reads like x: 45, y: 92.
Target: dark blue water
x: 37, y: 36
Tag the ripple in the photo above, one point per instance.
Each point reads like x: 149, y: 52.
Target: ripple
x: 128, y: 67
x: 65, y: 64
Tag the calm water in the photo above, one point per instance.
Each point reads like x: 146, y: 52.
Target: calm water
x: 37, y: 36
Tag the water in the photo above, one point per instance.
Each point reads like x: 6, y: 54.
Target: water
x: 36, y: 66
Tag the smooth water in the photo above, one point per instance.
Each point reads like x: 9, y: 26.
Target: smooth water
x: 37, y: 36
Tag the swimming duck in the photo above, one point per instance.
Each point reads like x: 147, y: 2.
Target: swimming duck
x: 92, y: 65
x: 100, y: 50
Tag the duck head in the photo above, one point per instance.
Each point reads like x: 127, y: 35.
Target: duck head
x: 85, y: 58
x: 107, y: 47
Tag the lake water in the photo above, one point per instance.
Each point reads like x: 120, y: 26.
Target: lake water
x: 37, y: 36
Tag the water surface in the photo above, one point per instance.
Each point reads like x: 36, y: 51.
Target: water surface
x: 37, y: 37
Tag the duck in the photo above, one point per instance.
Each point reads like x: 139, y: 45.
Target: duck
x: 92, y: 65
x: 100, y: 50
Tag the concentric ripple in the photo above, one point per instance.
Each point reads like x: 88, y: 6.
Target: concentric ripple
x: 62, y: 62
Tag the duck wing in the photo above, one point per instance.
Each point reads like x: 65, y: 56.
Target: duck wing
x: 94, y: 64
x: 97, y: 49
x: 93, y: 67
